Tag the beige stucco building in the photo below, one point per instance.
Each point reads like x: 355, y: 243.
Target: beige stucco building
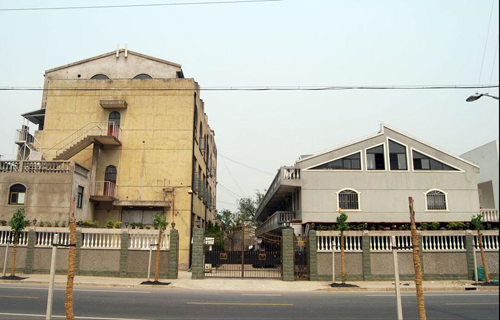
x: 140, y: 129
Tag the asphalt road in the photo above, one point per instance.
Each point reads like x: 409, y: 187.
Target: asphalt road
x: 29, y: 302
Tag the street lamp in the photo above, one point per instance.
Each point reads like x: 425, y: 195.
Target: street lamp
x: 478, y: 96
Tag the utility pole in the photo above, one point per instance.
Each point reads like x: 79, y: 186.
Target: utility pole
x: 5, y: 260
x: 52, y: 277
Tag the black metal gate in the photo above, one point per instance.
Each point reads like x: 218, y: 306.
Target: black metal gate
x: 301, y: 258
x: 239, y: 254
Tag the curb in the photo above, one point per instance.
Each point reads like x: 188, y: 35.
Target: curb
x: 89, y: 284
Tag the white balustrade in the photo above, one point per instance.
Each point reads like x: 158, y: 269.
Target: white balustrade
x: 490, y: 241
x: 6, y: 236
x: 101, y: 238
x: 330, y: 240
x: 490, y: 215
x: 45, y: 236
x: 143, y: 239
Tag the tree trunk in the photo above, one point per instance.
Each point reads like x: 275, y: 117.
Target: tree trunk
x: 342, y: 256
x: 158, y: 256
x: 71, y: 264
x: 417, y: 264
x: 483, y: 257
x: 14, y: 257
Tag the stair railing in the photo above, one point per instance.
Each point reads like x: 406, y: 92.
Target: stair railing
x: 95, y: 128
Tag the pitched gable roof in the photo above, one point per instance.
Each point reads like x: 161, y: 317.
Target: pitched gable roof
x: 383, y: 128
x: 112, y: 54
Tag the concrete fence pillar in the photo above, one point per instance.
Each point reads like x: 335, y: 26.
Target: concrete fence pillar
x: 313, y: 256
x: 197, y: 264
x: 367, y: 262
x: 78, y: 251
x: 30, y: 252
x: 288, y: 249
x: 173, y: 255
x: 469, y: 246
x: 124, y: 254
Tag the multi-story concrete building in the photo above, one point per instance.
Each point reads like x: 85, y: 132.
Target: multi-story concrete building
x: 371, y: 180
x: 487, y: 158
x: 138, y: 130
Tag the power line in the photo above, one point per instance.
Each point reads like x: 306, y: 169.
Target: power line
x: 486, y: 42
x: 264, y: 88
x: 137, y: 5
x: 245, y: 165
x: 232, y: 177
x: 229, y: 191
x: 494, y: 62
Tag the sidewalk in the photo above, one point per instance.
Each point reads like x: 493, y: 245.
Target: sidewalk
x: 251, y: 285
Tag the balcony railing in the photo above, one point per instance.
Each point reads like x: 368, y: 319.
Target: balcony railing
x: 35, y: 166
x: 490, y: 215
x: 275, y: 222
x: 286, y: 175
x: 105, y: 189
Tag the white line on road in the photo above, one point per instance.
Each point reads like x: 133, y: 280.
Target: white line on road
x: 81, y: 290
x: 62, y: 317
x: 261, y: 295
x: 433, y: 295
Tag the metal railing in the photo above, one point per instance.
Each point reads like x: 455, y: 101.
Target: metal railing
x: 105, y: 189
x: 104, y: 128
x: 490, y: 215
x: 35, y: 166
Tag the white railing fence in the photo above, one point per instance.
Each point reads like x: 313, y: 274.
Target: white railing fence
x: 490, y: 215
x: 29, y: 166
x: 91, y: 238
x: 380, y: 241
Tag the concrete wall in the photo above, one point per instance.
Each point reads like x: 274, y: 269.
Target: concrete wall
x: 436, y: 266
x: 487, y: 158
x: 384, y: 194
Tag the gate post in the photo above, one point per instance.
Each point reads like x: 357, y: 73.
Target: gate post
x: 197, y: 265
x: 173, y: 255
x: 313, y: 256
x: 288, y: 248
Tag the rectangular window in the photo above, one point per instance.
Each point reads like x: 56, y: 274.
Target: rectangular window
x: 375, y: 158
x: 398, y: 157
x: 423, y: 162
x: 79, y: 197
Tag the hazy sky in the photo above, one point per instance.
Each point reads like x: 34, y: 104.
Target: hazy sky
x: 293, y: 42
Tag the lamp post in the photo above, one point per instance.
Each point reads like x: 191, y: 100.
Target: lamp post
x: 478, y: 96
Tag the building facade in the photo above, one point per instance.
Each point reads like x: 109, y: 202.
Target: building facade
x: 487, y: 158
x: 371, y: 180
x: 141, y: 130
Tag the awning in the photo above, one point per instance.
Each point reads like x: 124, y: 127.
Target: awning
x: 37, y: 116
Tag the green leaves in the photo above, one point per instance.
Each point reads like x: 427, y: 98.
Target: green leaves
x: 477, y: 222
x: 18, y: 221
x: 160, y: 222
x: 342, y: 224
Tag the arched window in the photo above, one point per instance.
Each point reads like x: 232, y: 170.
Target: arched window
x: 436, y: 200
x: 100, y: 77
x: 110, y: 174
x: 17, y: 194
x: 114, y: 123
x: 348, y: 199
x: 143, y: 76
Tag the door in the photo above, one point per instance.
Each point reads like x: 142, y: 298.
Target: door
x: 114, y: 123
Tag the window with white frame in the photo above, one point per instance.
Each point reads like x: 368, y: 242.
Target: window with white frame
x: 375, y: 158
x: 436, y: 201
x: 422, y: 162
x: 348, y: 200
x: 17, y: 194
x: 397, y: 156
x: 352, y: 162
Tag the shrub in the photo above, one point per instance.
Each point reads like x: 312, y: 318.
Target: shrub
x: 321, y: 228
x: 434, y: 226
x: 332, y: 227
x: 425, y: 226
x: 160, y: 221
x: 63, y: 224
x: 87, y: 223
x: 56, y: 224
x: 110, y: 224
x: 3, y: 223
x: 95, y: 224
x: 455, y: 226
x: 118, y: 224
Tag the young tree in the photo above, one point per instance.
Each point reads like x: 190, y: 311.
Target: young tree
x: 226, y: 217
x: 71, y: 264
x: 160, y: 222
x: 417, y: 264
x: 343, y: 226
x: 477, y: 222
x: 17, y: 223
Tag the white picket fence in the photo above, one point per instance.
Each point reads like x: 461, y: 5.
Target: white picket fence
x: 139, y: 239
x: 380, y: 241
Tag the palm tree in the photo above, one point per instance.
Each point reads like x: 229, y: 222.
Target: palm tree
x: 342, y: 225
x: 71, y: 263
x: 160, y: 222
x: 17, y: 223
x: 417, y: 264
x: 477, y: 222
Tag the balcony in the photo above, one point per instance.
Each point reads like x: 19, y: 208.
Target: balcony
x: 490, y: 215
x: 104, y: 191
x: 275, y: 222
x: 35, y: 166
x: 286, y: 181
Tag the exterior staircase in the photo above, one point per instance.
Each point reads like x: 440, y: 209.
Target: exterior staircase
x: 26, y: 142
x: 106, y: 134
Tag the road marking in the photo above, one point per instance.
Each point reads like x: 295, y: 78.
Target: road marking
x: 473, y: 304
x: 434, y: 295
x: 20, y: 297
x: 262, y: 295
x: 62, y: 317
x: 240, y: 304
x: 81, y: 290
